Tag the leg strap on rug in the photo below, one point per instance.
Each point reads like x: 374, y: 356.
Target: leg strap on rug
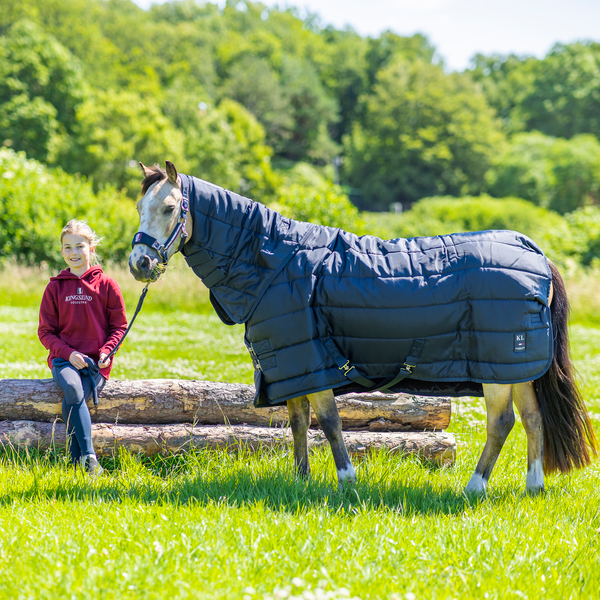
x: 352, y: 373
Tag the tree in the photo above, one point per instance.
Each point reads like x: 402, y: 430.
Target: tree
x: 116, y: 130
x: 41, y: 88
x: 254, y: 84
x: 225, y: 144
x: 565, y: 96
x: 423, y: 133
x: 552, y: 172
x: 505, y: 81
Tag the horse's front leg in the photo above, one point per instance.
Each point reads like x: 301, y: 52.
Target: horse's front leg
x: 527, y: 404
x: 500, y: 421
x: 299, y: 411
x: 326, y: 410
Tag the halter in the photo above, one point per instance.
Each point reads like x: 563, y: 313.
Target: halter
x: 147, y: 240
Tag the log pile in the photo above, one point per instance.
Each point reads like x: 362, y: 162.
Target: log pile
x: 162, y: 415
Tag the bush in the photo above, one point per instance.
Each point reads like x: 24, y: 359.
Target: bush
x: 445, y: 214
x: 555, y: 173
x: 36, y: 202
x: 323, y: 204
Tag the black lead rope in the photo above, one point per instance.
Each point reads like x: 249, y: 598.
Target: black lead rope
x: 135, y: 314
x: 92, y: 368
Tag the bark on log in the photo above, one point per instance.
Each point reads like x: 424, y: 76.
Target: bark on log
x: 205, y: 402
x: 438, y: 447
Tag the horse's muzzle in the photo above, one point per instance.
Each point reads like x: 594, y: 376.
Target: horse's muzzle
x: 145, y: 268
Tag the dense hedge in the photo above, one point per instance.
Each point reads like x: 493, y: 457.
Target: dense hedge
x: 36, y: 202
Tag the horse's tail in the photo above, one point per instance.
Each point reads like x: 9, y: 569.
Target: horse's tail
x: 569, y: 439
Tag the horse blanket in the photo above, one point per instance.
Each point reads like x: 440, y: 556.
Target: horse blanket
x: 326, y: 309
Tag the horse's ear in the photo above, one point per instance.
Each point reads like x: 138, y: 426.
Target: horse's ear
x: 145, y: 170
x: 171, y: 172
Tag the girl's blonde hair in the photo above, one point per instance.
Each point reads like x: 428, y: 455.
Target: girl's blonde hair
x: 77, y: 227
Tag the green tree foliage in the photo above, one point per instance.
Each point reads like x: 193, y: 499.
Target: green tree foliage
x: 552, y: 172
x: 230, y: 150
x: 344, y: 74
x: 308, y: 196
x: 506, y: 81
x: 389, y: 48
x: 115, y: 130
x: 583, y: 243
x: 36, y: 202
x: 423, y: 133
x: 565, y: 95
x: 41, y: 87
x: 253, y: 82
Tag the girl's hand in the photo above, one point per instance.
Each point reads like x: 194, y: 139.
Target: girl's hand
x: 103, y: 363
x: 78, y: 360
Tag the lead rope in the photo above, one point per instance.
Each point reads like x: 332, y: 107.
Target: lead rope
x: 137, y: 310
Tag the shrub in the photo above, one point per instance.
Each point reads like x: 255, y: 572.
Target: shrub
x: 36, y: 202
x: 323, y: 204
x: 445, y: 214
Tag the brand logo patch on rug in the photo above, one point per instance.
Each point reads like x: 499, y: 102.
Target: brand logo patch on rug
x: 520, y: 342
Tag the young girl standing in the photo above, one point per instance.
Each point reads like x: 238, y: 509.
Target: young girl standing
x: 82, y: 315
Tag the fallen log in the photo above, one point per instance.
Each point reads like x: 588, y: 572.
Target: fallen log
x: 438, y: 447
x: 206, y: 402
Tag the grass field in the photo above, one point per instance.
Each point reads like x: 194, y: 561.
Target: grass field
x: 213, y: 525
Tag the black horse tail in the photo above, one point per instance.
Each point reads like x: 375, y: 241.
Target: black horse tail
x: 569, y: 439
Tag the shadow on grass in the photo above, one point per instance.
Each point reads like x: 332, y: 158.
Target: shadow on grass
x: 206, y: 477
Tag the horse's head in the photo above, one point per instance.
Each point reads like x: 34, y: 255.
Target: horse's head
x: 162, y: 222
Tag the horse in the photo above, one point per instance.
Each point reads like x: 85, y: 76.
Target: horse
x: 208, y: 225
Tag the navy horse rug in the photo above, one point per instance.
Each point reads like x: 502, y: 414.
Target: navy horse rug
x: 326, y: 309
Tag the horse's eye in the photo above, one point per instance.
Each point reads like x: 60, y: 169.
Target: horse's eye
x: 169, y: 209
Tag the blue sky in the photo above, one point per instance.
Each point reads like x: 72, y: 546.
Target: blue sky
x: 461, y: 28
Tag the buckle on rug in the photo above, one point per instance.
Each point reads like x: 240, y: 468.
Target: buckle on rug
x: 254, y: 357
x: 409, y: 368
x: 346, y: 368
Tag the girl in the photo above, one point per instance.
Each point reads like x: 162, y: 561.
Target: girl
x: 82, y: 316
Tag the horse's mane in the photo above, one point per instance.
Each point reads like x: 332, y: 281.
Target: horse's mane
x: 157, y: 174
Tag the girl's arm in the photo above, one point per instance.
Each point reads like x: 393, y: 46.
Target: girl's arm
x: 48, y: 327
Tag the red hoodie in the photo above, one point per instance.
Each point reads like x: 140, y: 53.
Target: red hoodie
x: 86, y: 314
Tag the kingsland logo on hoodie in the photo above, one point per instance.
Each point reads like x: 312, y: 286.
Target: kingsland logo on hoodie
x: 79, y: 298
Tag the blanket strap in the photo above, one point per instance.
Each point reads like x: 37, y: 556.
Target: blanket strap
x: 351, y: 372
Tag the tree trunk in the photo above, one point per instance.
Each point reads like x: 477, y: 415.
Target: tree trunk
x: 204, y: 402
x: 438, y: 447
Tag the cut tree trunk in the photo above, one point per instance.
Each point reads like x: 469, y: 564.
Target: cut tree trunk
x: 438, y: 447
x: 204, y: 402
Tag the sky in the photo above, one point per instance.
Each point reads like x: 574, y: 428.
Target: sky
x: 461, y: 28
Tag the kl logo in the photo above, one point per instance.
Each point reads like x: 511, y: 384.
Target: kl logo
x: 520, y: 341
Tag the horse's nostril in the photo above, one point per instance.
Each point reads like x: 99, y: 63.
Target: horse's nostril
x: 143, y: 263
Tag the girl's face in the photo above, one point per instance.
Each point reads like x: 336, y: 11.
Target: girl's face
x: 76, y: 252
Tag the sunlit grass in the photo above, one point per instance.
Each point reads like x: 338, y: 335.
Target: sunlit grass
x: 214, y: 525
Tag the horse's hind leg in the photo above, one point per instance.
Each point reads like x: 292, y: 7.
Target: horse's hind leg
x: 527, y: 404
x: 500, y: 421
x: 327, y: 413
x: 299, y: 411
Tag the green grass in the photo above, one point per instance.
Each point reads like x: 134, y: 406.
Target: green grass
x: 214, y: 525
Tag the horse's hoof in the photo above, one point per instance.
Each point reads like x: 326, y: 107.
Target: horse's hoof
x: 346, y: 484
x: 476, y: 485
x: 535, y: 490
x: 346, y: 477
